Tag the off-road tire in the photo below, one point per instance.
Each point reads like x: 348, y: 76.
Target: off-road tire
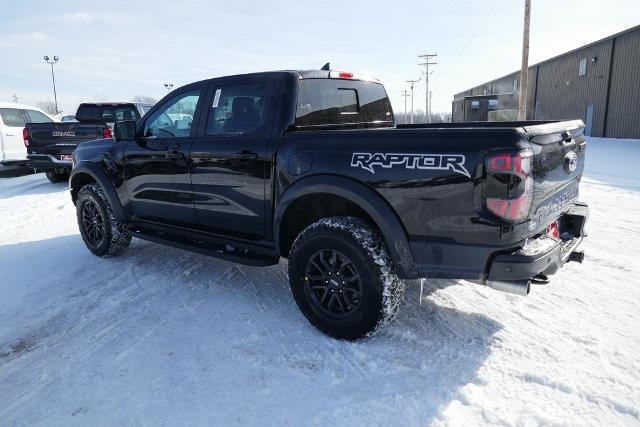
x: 115, y: 238
x: 381, y: 289
x: 55, y: 177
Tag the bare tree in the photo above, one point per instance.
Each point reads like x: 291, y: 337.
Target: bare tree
x: 145, y: 99
x: 420, y: 117
x: 48, y: 107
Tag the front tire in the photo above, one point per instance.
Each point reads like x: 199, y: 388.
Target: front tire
x: 103, y: 234
x: 343, y: 279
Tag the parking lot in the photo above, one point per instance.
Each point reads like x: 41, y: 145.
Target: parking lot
x: 163, y: 336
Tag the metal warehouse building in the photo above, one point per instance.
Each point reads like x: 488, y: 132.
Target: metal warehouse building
x: 598, y: 83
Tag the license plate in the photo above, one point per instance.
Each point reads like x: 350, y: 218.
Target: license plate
x: 67, y: 157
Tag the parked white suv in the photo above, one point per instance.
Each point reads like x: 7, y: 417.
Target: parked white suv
x: 12, y: 120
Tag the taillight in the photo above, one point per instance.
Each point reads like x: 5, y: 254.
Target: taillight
x: 106, y: 133
x: 553, y: 230
x: 25, y: 136
x: 510, y: 184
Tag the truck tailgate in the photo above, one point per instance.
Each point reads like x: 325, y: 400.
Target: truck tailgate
x: 60, y: 138
x: 558, y: 162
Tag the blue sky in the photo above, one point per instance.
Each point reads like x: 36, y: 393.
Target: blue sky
x: 117, y: 49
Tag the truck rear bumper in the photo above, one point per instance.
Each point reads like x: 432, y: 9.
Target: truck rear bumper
x: 542, y: 255
x: 18, y: 162
x: 47, y: 162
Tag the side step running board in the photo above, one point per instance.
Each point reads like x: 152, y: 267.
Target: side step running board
x: 226, y: 252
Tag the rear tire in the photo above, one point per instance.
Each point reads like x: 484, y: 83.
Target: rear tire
x: 54, y: 176
x: 103, y: 234
x: 343, y: 279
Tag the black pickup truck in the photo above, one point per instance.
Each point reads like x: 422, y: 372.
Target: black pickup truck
x: 50, y: 145
x: 309, y: 166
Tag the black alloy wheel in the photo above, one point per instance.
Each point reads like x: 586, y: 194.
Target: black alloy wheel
x: 333, y: 283
x: 93, y: 223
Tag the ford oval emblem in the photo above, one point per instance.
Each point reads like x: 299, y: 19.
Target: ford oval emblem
x: 570, y: 161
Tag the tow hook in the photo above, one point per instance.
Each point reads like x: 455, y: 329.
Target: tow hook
x: 577, y: 256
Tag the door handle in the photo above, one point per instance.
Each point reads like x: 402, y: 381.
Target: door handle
x: 174, y: 155
x: 245, y: 155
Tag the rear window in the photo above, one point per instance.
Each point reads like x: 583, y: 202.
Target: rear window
x: 342, y: 103
x: 12, y: 117
x: 88, y: 113
x: 106, y: 113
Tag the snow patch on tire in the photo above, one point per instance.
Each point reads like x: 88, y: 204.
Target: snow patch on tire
x: 370, y: 240
x: 120, y: 236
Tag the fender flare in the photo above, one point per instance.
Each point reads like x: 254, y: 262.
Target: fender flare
x: 100, y: 176
x: 368, y: 200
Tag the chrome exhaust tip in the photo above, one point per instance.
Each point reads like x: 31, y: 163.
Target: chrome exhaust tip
x: 520, y: 287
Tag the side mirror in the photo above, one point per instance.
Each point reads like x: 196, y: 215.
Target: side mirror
x: 124, y: 130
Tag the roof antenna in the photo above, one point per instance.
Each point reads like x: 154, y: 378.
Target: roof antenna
x: 325, y: 67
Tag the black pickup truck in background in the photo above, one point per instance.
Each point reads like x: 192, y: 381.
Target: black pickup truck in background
x: 50, y: 145
x: 310, y: 166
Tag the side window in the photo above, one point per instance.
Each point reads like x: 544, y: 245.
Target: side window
x: 12, y: 117
x: 37, y: 117
x: 108, y: 115
x: 174, y: 118
x: 126, y: 113
x: 582, y: 68
x: 238, y: 109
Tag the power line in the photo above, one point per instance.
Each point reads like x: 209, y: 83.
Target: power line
x: 473, y: 35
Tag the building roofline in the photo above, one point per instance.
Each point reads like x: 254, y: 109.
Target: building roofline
x: 553, y: 58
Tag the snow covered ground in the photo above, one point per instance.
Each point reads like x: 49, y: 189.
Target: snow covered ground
x: 163, y: 336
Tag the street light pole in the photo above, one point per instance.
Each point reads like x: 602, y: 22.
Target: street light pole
x: 53, y: 77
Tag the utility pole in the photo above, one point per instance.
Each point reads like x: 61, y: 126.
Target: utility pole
x: 411, y: 83
x: 405, y: 94
x: 427, y: 63
x: 524, y: 71
x: 53, y: 77
x: 14, y: 99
